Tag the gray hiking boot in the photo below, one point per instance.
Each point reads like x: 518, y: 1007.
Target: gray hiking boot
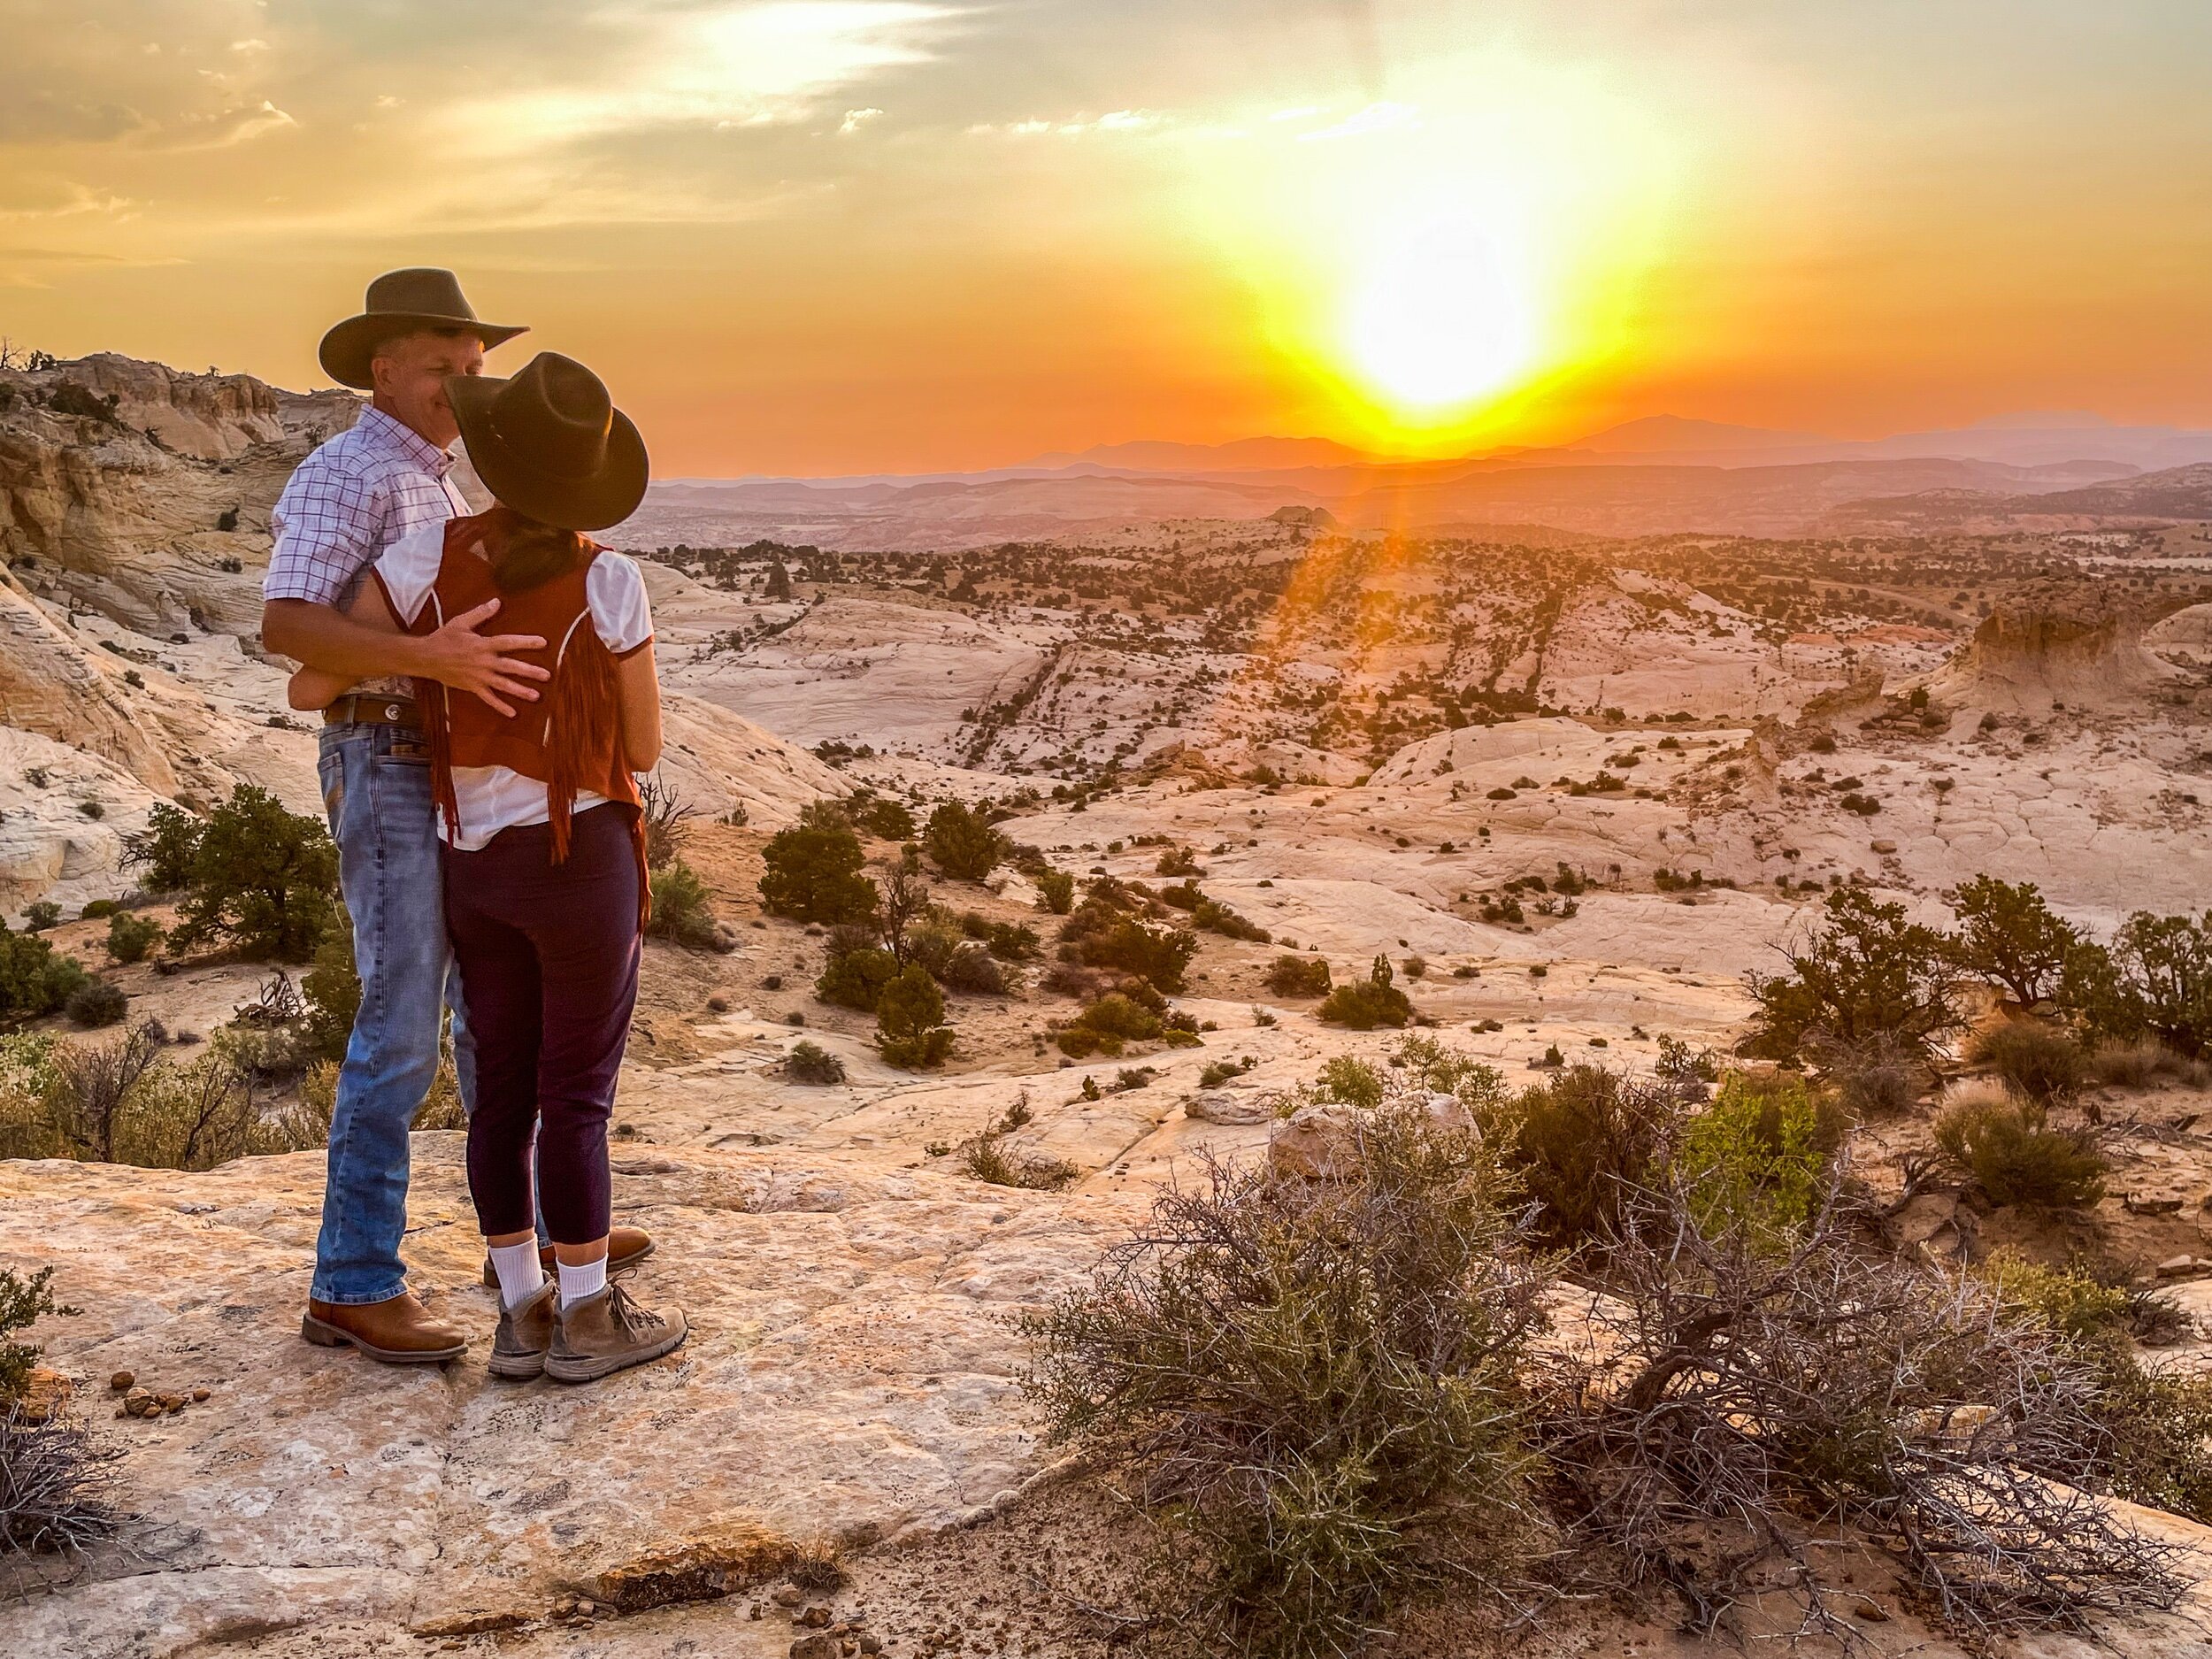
x: 608, y: 1332
x: 525, y: 1331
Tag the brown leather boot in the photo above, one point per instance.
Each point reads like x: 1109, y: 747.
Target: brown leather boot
x: 526, y: 1331
x: 398, y: 1331
x: 627, y: 1246
x: 608, y: 1332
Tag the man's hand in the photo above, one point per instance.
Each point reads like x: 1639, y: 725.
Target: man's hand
x: 482, y: 663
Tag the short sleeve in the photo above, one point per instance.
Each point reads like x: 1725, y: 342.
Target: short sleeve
x: 409, y: 568
x: 329, y: 522
x: 614, y: 587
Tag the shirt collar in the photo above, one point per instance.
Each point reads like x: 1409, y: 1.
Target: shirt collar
x: 399, y: 435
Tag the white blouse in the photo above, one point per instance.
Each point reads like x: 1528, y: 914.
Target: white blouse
x: 493, y: 798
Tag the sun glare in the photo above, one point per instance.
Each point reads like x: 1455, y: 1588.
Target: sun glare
x: 1428, y: 266
x: 1442, y: 315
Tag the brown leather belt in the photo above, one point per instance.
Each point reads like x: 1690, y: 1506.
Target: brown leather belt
x: 357, y: 707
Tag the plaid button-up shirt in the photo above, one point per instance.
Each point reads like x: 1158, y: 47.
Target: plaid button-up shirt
x: 356, y: 495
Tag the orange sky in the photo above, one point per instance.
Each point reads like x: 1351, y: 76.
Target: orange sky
x: 819, y: 236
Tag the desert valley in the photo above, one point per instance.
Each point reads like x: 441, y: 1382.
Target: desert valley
x: 1565, y: 753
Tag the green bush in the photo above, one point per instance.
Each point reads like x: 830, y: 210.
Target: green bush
x: 682, y: 907
x: 40, y: 915
x: 2008, y: 1150
x: 1351, y: 1081
x: 21, y: 1302
x: 34, y: 981
x: 1364, y: 1004
x: 885, y: 820
x: 814, y: 876
x: 1293, y: 975
x: 811, y: 1064
x: 1219, y: 918
x: 166, y: 848
x: 1161, y: 955
x: 2036, y: 1061
x: 2165, y: 969
x: 2008, y: 937
x: 2157, y: 1443
x: 1314, y: 1387
x: 910, y: 1029
x: 1868, y: 971
x: 331, y: 989
x: 1055, y: 890
x: 96, y: 1003
x: 1584, y: 1145
x: 261, y: 879
x: 99, y: 910
x: 961, y: 843
x: 1760, y: 1155
x: 131, y: 938
x: 856, y: 978
x: 1106, y: 1024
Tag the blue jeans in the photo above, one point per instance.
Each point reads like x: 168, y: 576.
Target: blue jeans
x: 376, y: 790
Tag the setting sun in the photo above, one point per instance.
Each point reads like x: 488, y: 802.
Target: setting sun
x: 1442, y: 317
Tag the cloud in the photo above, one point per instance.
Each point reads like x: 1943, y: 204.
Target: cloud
x: 854, y: 119
x: 46, y: 118
x: 1078, y: 127
x: 225, y: 129
x: 1376, y: 117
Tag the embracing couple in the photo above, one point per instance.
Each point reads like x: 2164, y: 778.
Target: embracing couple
x: 481, y: 786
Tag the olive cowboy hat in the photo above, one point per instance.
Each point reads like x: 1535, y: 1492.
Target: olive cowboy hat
x: 550, y: 443
x: 421, y: 299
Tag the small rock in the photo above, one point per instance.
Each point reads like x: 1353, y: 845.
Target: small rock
x: 123, y: 1381
x: 45, y: 1394
x: 1221, y: 1106
x: 787, y: 1594
x: 815, y: 1645
x: 1884, y: 847
x: 587, y: 1608
x: 200, y: 1395
x: 173, y: 1404
x: 870, y: 1642
x: 139, y: 1404
x: 1870, y: 1610
x: 2136, y: 1206
x: 816, y: 1617
x: 2176, y: 1266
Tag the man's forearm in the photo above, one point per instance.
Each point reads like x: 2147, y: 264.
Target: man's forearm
x: 321, y: 637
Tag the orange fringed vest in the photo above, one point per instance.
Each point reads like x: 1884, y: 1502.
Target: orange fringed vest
x: 570, y: 739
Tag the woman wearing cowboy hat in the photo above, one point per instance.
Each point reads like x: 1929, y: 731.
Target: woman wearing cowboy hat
x: 545, y: 888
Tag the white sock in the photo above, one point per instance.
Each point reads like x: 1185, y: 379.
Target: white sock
x: 520, y: 1271
x: 580, y: 1282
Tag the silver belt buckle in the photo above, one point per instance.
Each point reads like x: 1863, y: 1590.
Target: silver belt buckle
x: 391, y: 712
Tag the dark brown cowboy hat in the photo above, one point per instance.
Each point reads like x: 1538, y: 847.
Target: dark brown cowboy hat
x: 421, y: 299
x: 551, y: 445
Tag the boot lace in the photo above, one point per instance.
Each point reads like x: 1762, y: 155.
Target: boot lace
x: 632, y: 1318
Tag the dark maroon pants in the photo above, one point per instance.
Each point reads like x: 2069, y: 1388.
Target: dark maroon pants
x: 548, y: 958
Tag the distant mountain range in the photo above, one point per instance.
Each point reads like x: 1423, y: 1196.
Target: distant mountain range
x: 1662, y: 474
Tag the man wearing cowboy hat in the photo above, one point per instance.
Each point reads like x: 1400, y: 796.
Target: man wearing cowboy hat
x: 347, y: 502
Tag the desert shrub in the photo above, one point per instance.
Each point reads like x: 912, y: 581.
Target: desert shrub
x: 331, y: 992
x: 34, y: 980
x: 2036, y: 1061
x: 1352, y: 1081
x: 2157, y: 1442
x: 99, y: 910
x: 2164, y: 964
x: 955, y: 962
x: 2009, y: 937
x: 910, y: 1029
x: 40, y: 915
x: 1055, y: 890
x: 52, y: 1477
x: 1866, y: 972
x: 1312, y: 1387
x: 1364, y: 1004
x: 1879, y: 1076
x: 69, y: 398
x: 164, y: 849
x: 1689, y: 1072
x: 856, y: 978
x: 962, y: 843
x: 1219, y: 918
x: 1760, y: 1156
x: 811, y: 1064
x: 1158, y: 954
x: 1177, y: 861
x: 131, y: 938
x: 1584, y: 1145
x: 988, y: 1155
x: 2012, y: 1154
x: 2135, y: 1064
x: 813, y: 875
x: 1728, y: 1409
x: 96, y: 1003
x: 663, y: 820
x: 1107, y: 1024
x: 26, y: 1077
x: 886, y: 820
x: 1293, y: 975
x: 1429, y: 1067
x: 121, y: 1102
x: 683, y: 907
x: 261, y: 879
